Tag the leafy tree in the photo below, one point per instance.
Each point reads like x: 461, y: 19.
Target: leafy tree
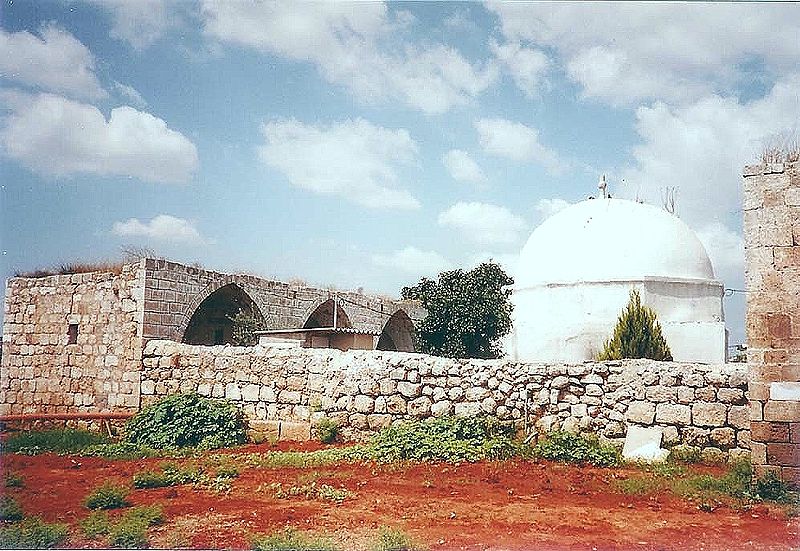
x: 636, y: 335
x: 468, y: 312
x: 245, y: 324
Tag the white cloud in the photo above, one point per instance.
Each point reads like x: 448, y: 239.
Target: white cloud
x: 726, y: 250
x: 57, y: 136
x: 525, y: 65
x: 354, y: 159
x: 462, y: 168
x: 161, y: 228
x: 131, y: 94
x: 141, y: 22
x: 700, y: 149
x: 414, y: 261
x: 548, y: 207
x: 483, y: 223
x: 515, y: 141
x: 53, y: 61
x: 672, y: 51
x: 345, y: 42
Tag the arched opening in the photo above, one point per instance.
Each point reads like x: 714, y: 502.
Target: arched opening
x: 398, y: 333
x: 213, y: 321
x: 323, y: 316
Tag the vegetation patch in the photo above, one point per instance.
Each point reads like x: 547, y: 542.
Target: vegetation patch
x: 125, y: 450
x: 187, y: 420
x: 62, y: 441
x: 32, y: 533
x: 10, y: 509
x: 291, y: 540
x: 13, y: 480
x: 327, y: 430
x: 127, y: 531
x: 322, y: 492
x: 96, y: 524
x: 74, y: 268
x: 450, y: 439
x: 636, y: 335
x: 575, y: 448
x: 170, y: 475
x: 395, y: 540
x: 107, y: 496
x: 318, y: 458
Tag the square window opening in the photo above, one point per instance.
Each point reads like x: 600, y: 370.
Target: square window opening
x: 72, y: 334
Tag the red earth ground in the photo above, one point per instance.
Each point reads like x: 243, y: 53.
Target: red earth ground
x: 512, y: 505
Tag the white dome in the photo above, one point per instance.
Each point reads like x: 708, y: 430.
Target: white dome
x: 611, y: 240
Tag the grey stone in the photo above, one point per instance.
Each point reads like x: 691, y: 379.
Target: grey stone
x: 232, y: 392
x: 442, y: 407
x: 409, y: 390
x: 559, y: 382
x: 673, y: 414
x: 641, y: 412
x: 467, y: 409
x: 709, y: 414
x: 419, y: 407
x: 364, y: 404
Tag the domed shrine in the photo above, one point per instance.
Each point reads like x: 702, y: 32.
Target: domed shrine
x: 576, y: 272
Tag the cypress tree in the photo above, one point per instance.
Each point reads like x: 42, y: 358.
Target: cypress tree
x: 636, y: 335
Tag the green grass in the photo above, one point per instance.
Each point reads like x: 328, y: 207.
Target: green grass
x: 323, y: 492
x: 574, y: 448
x: 96, y: 524
x: 62, y: 441
x: 107, y: 496
x: 10, y: 509
x: 170, y: 475
x: 13, y: 480
x: 394, y: 540
x: 318, y: 458
x: 126, y: 450
x: 128, y: 531
x: 291, y: 540
x: 32, y: 533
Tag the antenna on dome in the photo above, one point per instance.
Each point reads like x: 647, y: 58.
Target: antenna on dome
x: 602, y: 185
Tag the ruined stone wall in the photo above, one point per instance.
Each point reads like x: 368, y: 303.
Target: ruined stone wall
x: 772, y: 250
x: 173, y: 292
x: 696, y: 404
x: 43, y: 372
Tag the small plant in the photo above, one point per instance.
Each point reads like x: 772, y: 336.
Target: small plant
x: 685, y: 454
x: 62, y: 441
x: 244, y: 326
x: 96, y: 524
x: 128, y: 535
x: 13, y: 480
x: 121, y: 450
x: 394, y: 540
x: 324, y: 492
x: 771, y: 488
x: 10, y: 509
x: 636, y: 335
x: 32, y: 533
x: 107, y: 496
x: 327, y: 430
x: 291, y: 540
x: 170, y: 475
x: 575, y: 448
x: 187, y: 420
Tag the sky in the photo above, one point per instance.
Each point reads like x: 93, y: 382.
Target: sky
x: 368, y: 144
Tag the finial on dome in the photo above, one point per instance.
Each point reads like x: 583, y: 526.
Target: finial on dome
x: 602, y: 185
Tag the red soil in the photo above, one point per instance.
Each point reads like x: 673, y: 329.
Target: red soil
x: 511, y: 505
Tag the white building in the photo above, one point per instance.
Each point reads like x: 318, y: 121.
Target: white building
x: 577, y: 269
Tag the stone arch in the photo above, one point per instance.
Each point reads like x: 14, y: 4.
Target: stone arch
x: 208, y: 318
x: 398, y: 333
x: 322, y: 316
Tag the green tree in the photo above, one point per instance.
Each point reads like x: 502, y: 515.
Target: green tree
x: 636, y: 335
x: 468, y: 312
x: 245, y: 324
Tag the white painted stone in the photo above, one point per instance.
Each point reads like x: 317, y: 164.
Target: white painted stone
x: 785, y: 391
x: 644, y: 444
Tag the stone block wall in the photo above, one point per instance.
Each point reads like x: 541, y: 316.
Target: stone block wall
x: 695, y: 404
x: 42, y: 371
x: 772, y: 251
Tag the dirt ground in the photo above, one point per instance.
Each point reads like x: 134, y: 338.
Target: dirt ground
x: 511, y: 505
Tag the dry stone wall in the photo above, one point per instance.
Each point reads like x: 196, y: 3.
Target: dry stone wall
x: 695, y: 404
x: 772, y: 251
x: 43, y: 370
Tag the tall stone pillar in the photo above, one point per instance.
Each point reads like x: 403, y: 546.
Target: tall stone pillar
x: 772, y: 255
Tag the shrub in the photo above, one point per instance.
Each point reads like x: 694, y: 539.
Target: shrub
x: 187, y: 420
x: 327, y: 430
x: 96, y: 524
x: 10, y: 509
x: 32, y: 533
x: 636, y: 335
x: 244, y: 326
x: 57, y: 441
x: 452, y: 439
x: 394, y: 540
x: 13, y: 480
x: 771, y: 488
x: 170, y: 475
x: 290, y: 540
x: 107, y: 496
x: 128, y: 535
x: 575, y: 448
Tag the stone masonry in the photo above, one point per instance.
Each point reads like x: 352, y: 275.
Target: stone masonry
x: 695, y: 404
x: 772, y: 249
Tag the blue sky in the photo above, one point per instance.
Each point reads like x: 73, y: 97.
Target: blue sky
x: 369, y: 144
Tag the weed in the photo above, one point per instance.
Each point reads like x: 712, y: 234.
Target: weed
x: 128, y: 535
x: 123, y: 450
x: 290, y: 540
x: 575, y: 448
x: 318, y: 458
x: 686, y: 454
x: 150, y: 515
x: 227, y: 471
x: 96, y: 524
x: 394, y: 540
x: 13, y: 480
x: 32, y: 533
x: 771, y: 488
x: 323, y: 492
x: 327, y: 430
x: 62, y: 441
x: 10, y: 509
x: 171, y: 475
x: 107, y: 496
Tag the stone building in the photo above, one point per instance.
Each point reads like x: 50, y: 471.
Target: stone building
x: 577, y: 269
x: 76, y: 340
